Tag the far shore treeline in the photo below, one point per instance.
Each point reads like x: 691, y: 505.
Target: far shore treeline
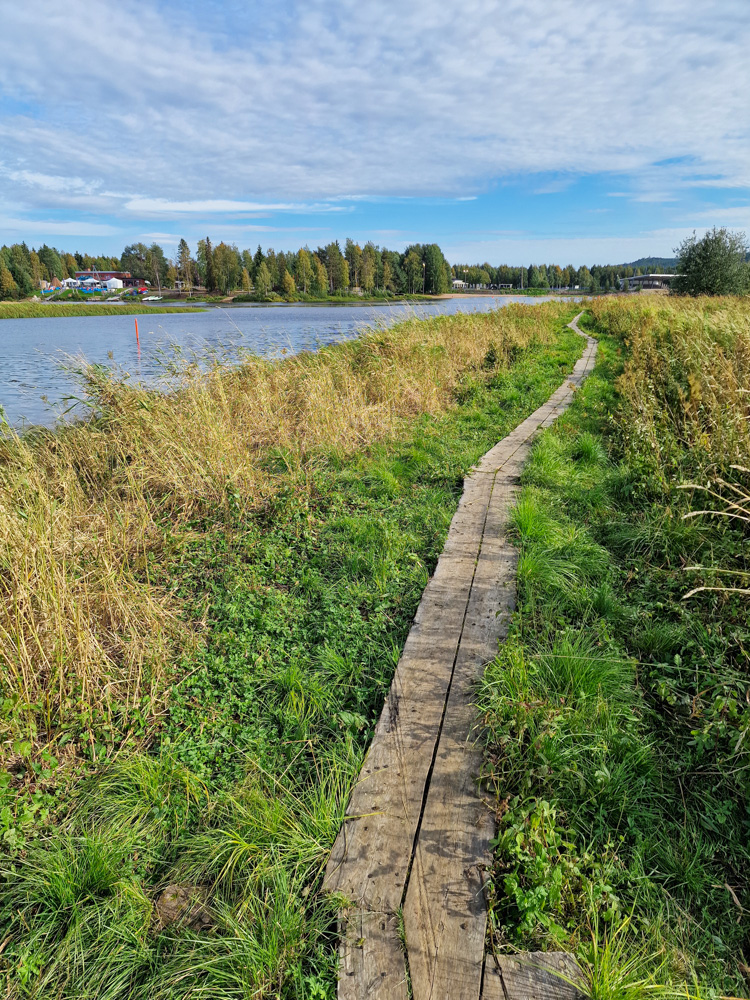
x: 328, y: 271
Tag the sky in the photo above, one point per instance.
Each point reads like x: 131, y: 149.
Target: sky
x: 511, y: 132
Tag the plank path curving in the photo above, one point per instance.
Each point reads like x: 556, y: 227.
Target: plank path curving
x: 414, y: 846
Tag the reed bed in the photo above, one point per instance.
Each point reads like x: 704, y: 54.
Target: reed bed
x: 86, y: 631
x: 47, y: 310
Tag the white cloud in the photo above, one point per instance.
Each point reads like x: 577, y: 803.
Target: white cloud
x: 164, y: 207
x: 53, y: 227
x: 161, y: 237
x: 379, y: 99
x: 733, y: 217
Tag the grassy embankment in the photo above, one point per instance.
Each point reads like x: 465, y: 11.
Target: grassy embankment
x: 41, y: 310
x: 619, y: 711
x: 204, y: 596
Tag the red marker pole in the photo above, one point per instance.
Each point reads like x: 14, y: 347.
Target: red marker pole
x: 137, y: 338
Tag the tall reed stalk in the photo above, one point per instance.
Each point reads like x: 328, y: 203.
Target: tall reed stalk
x: 85, y: 511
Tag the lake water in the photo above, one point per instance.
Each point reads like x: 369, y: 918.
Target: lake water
x: 35, y: 386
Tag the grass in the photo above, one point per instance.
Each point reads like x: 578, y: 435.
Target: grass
x: 46, y: 310
x: 617, y: 713
x: 93, y: 513
x: 206, y: 595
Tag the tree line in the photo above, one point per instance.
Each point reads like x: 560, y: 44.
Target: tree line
x: 223, y: 268
x: 328, y: 270
x: 598, y: 278
x: 716, y: 262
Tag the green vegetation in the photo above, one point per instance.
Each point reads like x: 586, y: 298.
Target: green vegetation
x: 541, y: 278
x: 716, y: 264
x: 618, y: 712
x: 204, y: 598
x: 41, y: 310
x: 712, y: 265
x: 223, y: 269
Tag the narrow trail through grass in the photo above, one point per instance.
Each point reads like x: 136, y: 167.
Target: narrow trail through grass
x: 206, y: 595
x: 412, y: 850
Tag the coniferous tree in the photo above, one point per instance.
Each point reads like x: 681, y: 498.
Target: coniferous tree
x: 281, y: 270
x: 338, y: 270
x: 51, y: 259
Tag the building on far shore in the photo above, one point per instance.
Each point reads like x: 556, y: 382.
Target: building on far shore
x: 457, y: 283
x: 102, y: 277
x: 637, y: 281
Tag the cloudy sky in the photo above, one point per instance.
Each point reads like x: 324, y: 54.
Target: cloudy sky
x: 541, y: 130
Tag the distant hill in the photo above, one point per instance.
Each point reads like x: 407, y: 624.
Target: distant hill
x: 655, y: 264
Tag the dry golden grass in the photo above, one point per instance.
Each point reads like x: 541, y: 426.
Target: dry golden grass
x: 687, y: 378
x: 82, y: 628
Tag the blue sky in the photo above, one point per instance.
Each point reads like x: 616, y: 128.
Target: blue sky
x: 543, y: 130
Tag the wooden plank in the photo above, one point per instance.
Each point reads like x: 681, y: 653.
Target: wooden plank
x: 386, y: 802
x: 419, y: 773
x: 532, y: 975
x: 367, y: 862
x: 372, y: 961
x: 370, y: 859
x: 444, y: 911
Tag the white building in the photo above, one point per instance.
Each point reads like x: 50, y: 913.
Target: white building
x: 457, y: 283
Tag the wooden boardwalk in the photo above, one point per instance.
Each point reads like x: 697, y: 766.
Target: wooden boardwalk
x: 412, y: 851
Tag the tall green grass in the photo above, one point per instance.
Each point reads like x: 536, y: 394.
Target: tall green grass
x: 289, y: 575
x: 617, y: 713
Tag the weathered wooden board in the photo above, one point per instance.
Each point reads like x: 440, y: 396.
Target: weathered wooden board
x: 370, y: 860
x: 415, y: 815
x: 445, y: 913
x: 372, y: 960
x: 532, y: 975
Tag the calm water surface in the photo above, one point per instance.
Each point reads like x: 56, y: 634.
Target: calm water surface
x: 36, y: 388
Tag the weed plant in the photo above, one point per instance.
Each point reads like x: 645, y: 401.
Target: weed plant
x: 206, y: 595
x: 618, y: 712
